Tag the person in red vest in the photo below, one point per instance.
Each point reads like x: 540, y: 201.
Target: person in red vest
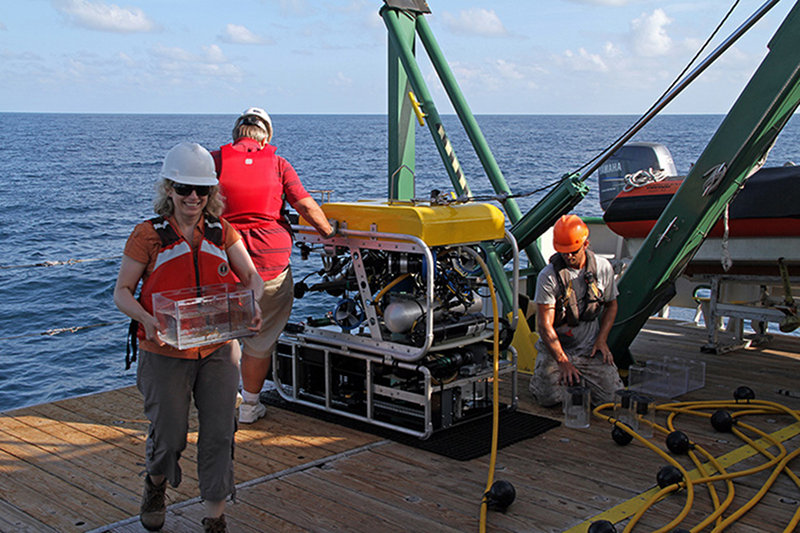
x: 255, y: 182
x: 186, y: 246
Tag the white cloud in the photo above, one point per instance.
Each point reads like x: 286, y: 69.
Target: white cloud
x: 341, y: 80
x: 476, y: 21
x: 649, y: 34
x: 237, y: 34
x: 126, y: 59
x: 173, y: 53
x: 508, y: 70
x: 497, y: 75
x: 611, y: 50
x: 104, y: 17
x: 182, y: 66
x: 7, y: 54
x: 583, y: 61
x: 214, y: 54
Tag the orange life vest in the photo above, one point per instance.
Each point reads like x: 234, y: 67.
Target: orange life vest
x: 177, y: 266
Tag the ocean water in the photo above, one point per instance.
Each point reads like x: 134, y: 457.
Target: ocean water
x: 73, y: 187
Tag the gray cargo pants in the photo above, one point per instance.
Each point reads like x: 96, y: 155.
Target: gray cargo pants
x: 167, y: 385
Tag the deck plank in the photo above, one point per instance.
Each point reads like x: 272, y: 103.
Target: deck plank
x: 15, y: 519
x: 50, y: 499
x: 297, y: 473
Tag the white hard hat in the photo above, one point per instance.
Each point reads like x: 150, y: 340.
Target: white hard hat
x: 189, y: 163
x: 261, y: 116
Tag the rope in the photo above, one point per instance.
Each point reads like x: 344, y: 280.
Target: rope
x: 444, y: 199
x: 713, y: 178
x: 57, y: 331
x: 640, y: 178
x: 58, y: 263
x: 726, y: 259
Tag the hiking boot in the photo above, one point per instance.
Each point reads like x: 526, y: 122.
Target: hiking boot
x: 215, y: 525
x: 154, y: 507
x: 250, y: 412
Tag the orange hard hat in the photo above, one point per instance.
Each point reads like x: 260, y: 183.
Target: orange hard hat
x: 569, y: 233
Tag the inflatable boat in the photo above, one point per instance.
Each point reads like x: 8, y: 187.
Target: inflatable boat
x: 763, y: 218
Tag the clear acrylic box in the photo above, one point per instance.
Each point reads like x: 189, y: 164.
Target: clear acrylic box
x: 696, y: 373
x: 667, y: 377
x: 199, y: 316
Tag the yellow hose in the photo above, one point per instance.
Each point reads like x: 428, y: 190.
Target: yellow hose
x: 779, y: 461
x: 719, y: 508
x: 386, y: 289
x: 760, y: 494
x: 687, y: 482
x: 495, y: 387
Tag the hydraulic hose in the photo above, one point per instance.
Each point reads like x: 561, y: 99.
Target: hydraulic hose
x: 719, y: 508
x: 687, y: 482
x: 779, y: 461
x: 495, y: 385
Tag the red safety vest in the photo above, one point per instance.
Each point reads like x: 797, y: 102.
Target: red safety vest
x: 251, y: 185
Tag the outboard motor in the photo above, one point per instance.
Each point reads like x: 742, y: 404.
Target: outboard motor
x: 627, y: 160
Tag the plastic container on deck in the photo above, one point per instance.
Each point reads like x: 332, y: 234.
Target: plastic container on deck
x: 696, y: 372
x: 206, y: 315
x: 667, y: 377
x: 645, y: 409
x: 577, y: 407
x: 623, y: 407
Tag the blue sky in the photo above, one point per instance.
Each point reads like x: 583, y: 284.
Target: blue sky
x: 304, y: 56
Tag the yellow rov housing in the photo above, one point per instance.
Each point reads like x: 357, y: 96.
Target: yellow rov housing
x: 435, y: 225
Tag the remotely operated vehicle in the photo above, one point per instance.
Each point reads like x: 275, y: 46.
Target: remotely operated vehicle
x: 405, y: 341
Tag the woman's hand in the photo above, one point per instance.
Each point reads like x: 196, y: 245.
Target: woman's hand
x: 255, y: 324
x: 151, y: 329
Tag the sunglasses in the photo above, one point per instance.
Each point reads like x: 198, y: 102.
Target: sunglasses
x: 183, y: 189
x: 571, y: 254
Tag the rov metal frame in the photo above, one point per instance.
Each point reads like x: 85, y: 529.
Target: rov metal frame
x: 299, y: 348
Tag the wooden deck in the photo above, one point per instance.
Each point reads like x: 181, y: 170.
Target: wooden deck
x: 77, y: 465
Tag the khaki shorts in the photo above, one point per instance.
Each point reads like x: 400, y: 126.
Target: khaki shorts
x: 276, y: 306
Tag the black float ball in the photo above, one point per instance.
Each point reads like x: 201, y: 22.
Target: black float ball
x: 668, y: 475
x: 300, y: 290
x: 722, y: 421
x: 500, y: 496
x: 678, y: 442
x: 621, y: 436
x: 601, y: 526
x: 744, y: 393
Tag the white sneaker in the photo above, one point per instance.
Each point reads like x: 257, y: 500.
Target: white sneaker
x: 250, y: 412
x: 239, y: 400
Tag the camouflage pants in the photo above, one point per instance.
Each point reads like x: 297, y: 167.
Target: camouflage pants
x: 602, y: 379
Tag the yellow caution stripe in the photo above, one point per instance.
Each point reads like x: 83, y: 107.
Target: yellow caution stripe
x: 451, y: 154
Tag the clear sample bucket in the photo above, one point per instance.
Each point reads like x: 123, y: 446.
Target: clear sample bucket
x: 577, y: 406
x: 623, y: 407
x: 645, y: 409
